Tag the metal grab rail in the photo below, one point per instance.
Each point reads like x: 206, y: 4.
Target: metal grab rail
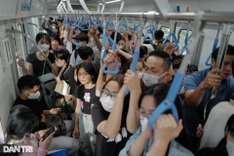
x: 215, y: 45
x: 223, y: 17
x: 34, y: 43
x: 168, y: 103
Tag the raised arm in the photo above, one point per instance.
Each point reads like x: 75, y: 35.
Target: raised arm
x: 133, y: 82
x: 111, y: 126
x: 99, y: 83
x: 124, y: 54
x: 166, y: 129
x: 194, y: 97
x: 95, y: 38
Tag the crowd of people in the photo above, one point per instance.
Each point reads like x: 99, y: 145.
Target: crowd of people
x: 103, y: 119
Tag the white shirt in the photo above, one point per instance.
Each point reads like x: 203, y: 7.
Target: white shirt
x: 215, y: 124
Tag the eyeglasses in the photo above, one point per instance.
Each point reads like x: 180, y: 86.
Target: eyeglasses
x: 141, y: 114
x: 106, y: 92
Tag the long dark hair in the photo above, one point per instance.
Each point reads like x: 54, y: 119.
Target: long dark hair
x: 62, y: 54
x: 21, y: 122
x: 88, y: 66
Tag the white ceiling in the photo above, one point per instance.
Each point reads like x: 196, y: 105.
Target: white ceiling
x: 52, y: 4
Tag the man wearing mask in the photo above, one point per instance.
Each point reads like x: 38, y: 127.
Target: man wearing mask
x: 156, y: 70
x: 30, y: 97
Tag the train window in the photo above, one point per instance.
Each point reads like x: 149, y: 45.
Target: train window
x: 20, y: 52
x: 181, y: 38
x: 166, y: 31
x: 33, y: 29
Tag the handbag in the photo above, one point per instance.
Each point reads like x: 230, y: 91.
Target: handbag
x: 62, y: 87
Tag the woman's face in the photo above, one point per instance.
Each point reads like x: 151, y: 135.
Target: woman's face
x: 59, y: 62
x: 112, y: 88
x: 55, y: 45
x: 147, y: 106
x: 140, y: 66
x: 83, y: 76
x: 44, y: 41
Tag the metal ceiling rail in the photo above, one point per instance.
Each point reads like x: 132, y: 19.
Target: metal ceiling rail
x: 224, y: 17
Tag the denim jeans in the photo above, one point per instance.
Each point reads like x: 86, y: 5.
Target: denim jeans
x: 87, y: 137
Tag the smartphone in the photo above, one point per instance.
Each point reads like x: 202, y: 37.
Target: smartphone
x: 50, y: 131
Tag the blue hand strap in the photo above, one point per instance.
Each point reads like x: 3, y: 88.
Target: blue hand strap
x: 168, y: 103
x: 172, y: 34
x: 215, y: 45
x: 185, y: 44
x: 133, y: 65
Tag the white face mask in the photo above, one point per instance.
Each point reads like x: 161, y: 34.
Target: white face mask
x: 34, y: 95
x: 143, y: 123
x: 150, y: 80
x: 140, y: 74
x: 107, y: 103
x: 44, y: 47
x: 58, y: 64
x: 120, y: 47
x: 53, y: 27
x: 230, y: 147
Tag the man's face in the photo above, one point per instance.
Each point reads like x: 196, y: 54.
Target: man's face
x: 31, y: 91
x: 227, y: 65
x: 154, y: 66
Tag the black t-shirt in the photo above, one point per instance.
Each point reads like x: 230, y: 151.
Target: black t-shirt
x: 40, y: 66
x: 36, y: 106
x: 104, y: 147
x: 87, y: 98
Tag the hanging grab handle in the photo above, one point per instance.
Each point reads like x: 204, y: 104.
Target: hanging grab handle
x: 168, y: 103
x: 113, y: 47
x: 136, y: 52
x: 215, y: 45
x: 174, y: 39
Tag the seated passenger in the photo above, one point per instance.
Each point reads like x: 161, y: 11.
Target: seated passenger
x: 226, y: 145
x: 197, y: 91
x: 21, y: 123
x: 30, y: 97
x: 142, y: 140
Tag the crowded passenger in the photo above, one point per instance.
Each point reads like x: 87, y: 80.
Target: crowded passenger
x: 31, y: 97
x: 198, y: 91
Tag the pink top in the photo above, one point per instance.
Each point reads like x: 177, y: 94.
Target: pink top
x: 30, y: 141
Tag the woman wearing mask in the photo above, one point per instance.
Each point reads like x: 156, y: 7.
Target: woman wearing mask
x: 142, y: 140
x: 110, y: 114
x: 86, y: 77
x: 21, y: 123
x: 62, y: 57
x: 36, y: 63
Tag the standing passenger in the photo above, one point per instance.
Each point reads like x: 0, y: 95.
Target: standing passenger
x: 198, y: 87
x: 86, y: 98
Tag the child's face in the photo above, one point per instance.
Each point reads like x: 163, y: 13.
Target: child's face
x: 83, y: 76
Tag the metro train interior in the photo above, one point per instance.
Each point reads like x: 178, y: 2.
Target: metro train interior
x: 117, y: 77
